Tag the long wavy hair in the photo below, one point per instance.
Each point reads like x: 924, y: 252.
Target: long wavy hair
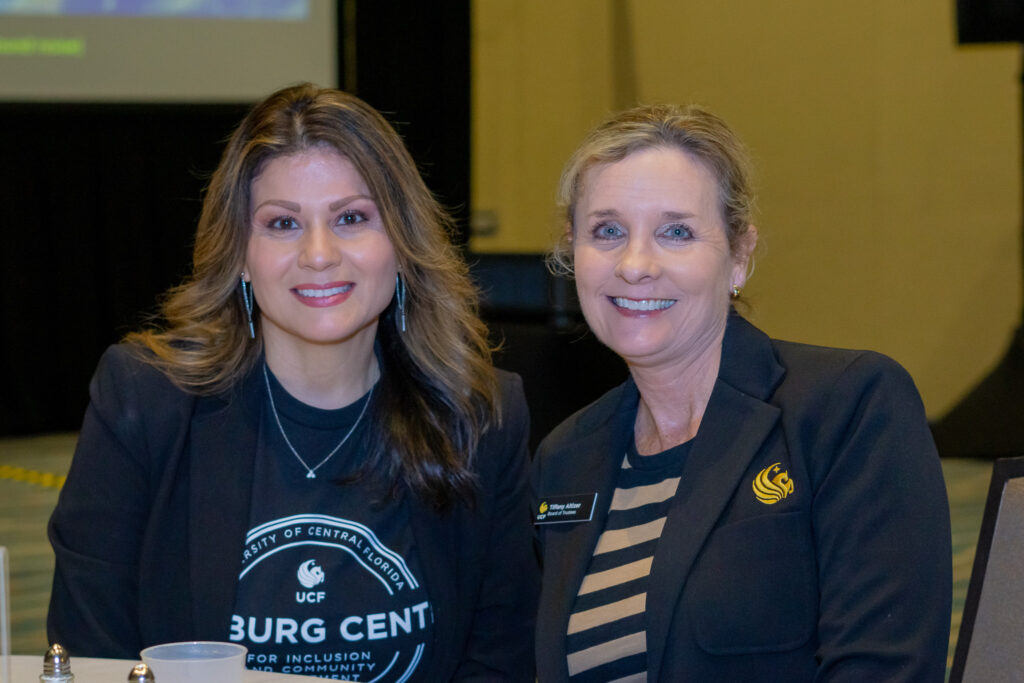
x: 438, y: 392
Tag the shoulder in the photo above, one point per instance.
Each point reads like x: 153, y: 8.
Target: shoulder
x: 825, y: 396
x: 813, y: 369
x: 510, y: 384
x: 130, y: 389
x: 512, y: 415
x: 502, y: 448
x: 768, y: 368
x: 125, y: 368
x: 510, y: 399
x: 832, y: 400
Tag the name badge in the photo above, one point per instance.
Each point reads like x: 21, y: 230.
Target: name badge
x: 559, y: 509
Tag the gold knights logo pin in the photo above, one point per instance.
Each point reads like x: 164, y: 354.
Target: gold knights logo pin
x: 772, y: 484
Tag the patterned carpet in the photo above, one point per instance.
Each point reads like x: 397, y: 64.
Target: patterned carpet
x: 967, y: 485
x: 32, y: 469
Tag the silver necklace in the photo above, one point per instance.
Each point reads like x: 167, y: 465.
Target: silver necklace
x: 311, y: 472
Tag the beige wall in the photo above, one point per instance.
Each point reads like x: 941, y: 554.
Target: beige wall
x: 888, y: 157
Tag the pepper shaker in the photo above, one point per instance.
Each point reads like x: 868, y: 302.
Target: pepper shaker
x: 141, y: 674
x: 57, y: 666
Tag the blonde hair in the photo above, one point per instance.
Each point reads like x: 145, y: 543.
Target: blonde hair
x: 438, y: 390
x: 690, y: 129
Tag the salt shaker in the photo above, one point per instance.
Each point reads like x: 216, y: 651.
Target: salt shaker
x: 57, y: 666
x: 141, y: 674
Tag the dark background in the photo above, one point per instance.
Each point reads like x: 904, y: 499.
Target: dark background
x: 988, y: 422
x: 989, y: 21
x: 103, y: 200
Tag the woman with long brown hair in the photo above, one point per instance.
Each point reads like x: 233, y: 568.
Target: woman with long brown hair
x: 313, y: 456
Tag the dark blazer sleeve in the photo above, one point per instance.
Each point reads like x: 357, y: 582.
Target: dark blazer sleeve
x: 881, y: 526
x: 97, y: 527
x: 500, y: 644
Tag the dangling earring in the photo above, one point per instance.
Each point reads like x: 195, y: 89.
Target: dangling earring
x: 247, y: 299
x: 400, y: 298
x: 735, y: 292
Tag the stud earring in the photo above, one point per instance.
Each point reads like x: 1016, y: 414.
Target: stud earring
x: 247, y: 300
x: 734, y: 292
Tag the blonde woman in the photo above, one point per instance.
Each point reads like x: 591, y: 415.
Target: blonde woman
x: 747, y: 509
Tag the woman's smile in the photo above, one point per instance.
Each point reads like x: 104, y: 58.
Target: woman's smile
x: 639, y: 306
x: 322, y: 296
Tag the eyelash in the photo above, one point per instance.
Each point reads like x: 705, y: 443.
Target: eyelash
x: 600, y: 232
x: 342, y: 219
x: 668, y: 229
x: 278, y: 223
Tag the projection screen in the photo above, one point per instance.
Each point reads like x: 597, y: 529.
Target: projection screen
x: 163, y: 50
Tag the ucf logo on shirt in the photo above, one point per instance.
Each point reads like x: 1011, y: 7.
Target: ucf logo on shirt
x: 329, y: 599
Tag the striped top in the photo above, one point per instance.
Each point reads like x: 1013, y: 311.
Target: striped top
x: 607, y: 638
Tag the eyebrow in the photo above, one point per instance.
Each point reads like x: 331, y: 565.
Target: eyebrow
x: 297, y: 208
x: 291, y: 206
x: 347, y: 200
x: 666, y: 215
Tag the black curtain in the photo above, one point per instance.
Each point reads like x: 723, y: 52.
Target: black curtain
x: 412, y: 62
x: 102, y: 204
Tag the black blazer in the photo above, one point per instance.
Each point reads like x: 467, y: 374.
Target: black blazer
x: 846, y: 578
x: 150, y: 525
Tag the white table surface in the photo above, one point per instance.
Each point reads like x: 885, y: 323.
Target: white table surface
x: 26, y: 669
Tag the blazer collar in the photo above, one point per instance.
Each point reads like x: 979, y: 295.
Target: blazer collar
x: 736, y: 422
x: 748, y: 362
x: 225, y: 437
x: 598, y: 445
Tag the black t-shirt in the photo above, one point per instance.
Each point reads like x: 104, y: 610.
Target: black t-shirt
x: 330, y: 583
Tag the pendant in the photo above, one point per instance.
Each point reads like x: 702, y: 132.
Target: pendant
x: 311, y: 475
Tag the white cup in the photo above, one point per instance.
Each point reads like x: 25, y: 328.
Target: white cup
x: 196, y: 662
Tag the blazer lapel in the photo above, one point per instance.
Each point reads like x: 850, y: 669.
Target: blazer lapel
x: 736, y: 422
x: 224, y: 440
x: 720, y: 455
x: 595, y: 459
